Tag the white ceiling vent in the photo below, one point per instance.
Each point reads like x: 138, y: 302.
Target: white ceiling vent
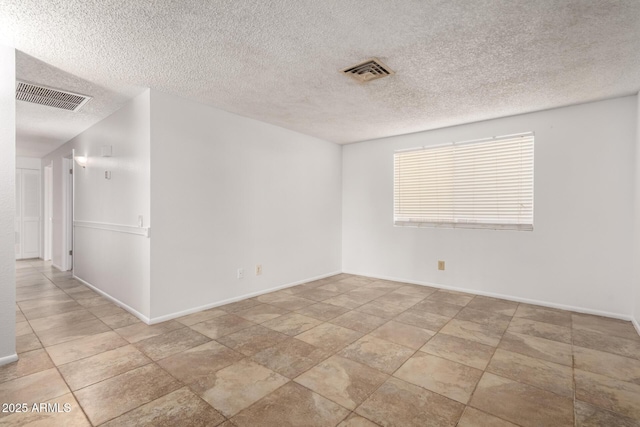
x: 370, y: 69
x: 50, y: 97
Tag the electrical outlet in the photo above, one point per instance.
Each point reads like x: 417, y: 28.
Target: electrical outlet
x: 241, y: 273
x: 440, y: 265
x: 258, y: 269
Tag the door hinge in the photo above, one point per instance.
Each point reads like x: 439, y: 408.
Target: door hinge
x: 71, y: 171
x: 70, y: 252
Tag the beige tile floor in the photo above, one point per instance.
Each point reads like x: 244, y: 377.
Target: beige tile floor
x: 346, y: 351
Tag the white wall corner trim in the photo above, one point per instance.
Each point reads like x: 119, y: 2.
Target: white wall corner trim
x: 509, y: 298
x: 636, y: 324
x: 116, y: 301
x: 8, y: 359
x: 7, y: 204
x: 636, y: 224
x: 175, y: 315
x: 57, y: 266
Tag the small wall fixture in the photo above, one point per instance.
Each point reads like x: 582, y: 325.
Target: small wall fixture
x: 81, y: 161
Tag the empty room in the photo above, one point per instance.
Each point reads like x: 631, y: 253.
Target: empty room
x: 320, y: 213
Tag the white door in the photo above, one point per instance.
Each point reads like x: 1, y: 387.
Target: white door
x: 30, y: 213
x: 48, y: 195
x: 27, y: 213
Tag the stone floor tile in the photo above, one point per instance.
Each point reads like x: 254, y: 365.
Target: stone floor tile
x: 343, y: 381
x: 291, y: 406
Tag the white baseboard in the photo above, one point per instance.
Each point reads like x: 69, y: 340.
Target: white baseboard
x: 57, y: 266
x: 507, y: 297
x: 8, y: 359
x: 175, y: 315
x: 116, y: 301
x: 164, y: 318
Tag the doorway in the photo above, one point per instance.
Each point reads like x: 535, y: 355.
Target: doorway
x: 67, y: 223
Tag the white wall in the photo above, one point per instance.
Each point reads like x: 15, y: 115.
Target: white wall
x: 28, y: 163
x: 230, y: 192
x: 7, y: 204
x: 115, y: 262
x: 636, y: 217
x: 580, y: 251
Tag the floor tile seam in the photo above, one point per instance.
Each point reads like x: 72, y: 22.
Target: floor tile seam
x: 330, y: 355
x: 334, y: 353
x: 484, y: 411
x: 165, y: 333
x: 480, y: 323
x: 150, y: 362
x: 538, y: 336
x: 63, y: 326
x: 53, y: 365
x: 528, y: 385
x: 257, y: 401
x: 312, y: 391
x: 484, y: 371
x: 71, y: 391
x: 89, y: 335
x: 221, y: 336
x: 182, y: 383
x: 392, y: 375
x: 40, y: 341
x: 69, y: 311
x: 609, y: 411
x: 395, y: 304
x: 607, y: 334
x: 570, y: 328
x: 84, y: 357
x: 601, y: 350
x: 264, y: 321
x: 541, y: 321
x: 533, y: 385
x: 37, y: 337
x: 469, y: 405
x: 585, y: 369
x: 357, y: 415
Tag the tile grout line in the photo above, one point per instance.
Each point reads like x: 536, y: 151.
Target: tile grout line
x: 63, y: 378
x: 487, y: 365
x: 413, y: 354
x: 322, y: 360
x: 387, y: 320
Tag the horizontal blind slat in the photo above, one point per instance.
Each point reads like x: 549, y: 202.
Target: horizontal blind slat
x: 488, y: 182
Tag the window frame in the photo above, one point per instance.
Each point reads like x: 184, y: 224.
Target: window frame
x: 526, y: 170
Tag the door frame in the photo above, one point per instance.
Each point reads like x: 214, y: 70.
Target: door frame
x: 67, y: 211
x: 48, y: 212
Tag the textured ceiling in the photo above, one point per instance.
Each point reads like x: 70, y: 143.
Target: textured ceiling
x: 278, y: 60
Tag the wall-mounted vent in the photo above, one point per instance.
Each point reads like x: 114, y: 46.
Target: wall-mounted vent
x: 370, y: 69
x: 50, y: 97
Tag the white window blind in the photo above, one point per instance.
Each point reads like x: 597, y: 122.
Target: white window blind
x: 475, y: 184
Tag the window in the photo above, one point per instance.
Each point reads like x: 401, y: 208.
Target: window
x: 485, y: 183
